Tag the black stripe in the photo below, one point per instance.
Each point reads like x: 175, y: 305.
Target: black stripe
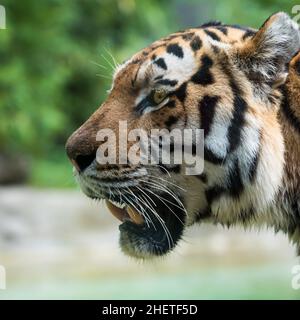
x: 180, y: 93
x: 214, y: 193
x: 207, y: 108
x: 237, y: 122
x: 171, y: 120
x: 235, y: 183
x: 196, y: 43
x: 288, y: 112
x: 234, y: 187
x: 207, y: 62
x: 143, y: 105
x: 233, y: 84
x: 158, y: 77
x: 295, y: 208
x: 247, y: 215
x: 161, y: 63
x: 239, y: 110
x: 204, y: 76
x: 202, y: 177
x: 211, y: 157
x: 175, y: 49
x: 168, y: 82
x: 203, y: 214
x: 210, y: 24
x: 248, y: 34
x: 212, y: 35
x: 223, y: 29
x: 294, y: 212
x: 253, y: 168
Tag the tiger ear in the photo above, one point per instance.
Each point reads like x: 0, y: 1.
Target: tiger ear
x: 265, y: 56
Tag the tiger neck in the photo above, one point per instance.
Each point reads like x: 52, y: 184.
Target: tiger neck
x: 289, y: 117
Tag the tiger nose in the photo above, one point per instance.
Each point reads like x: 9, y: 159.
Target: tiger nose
x: 80, y: 152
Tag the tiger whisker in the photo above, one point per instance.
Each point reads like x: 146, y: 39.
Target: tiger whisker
x: 98, y: 64
x: 103, y: 76
x: 164, y: 189
x: 162, y: 199
x: 144, y: 213
x: 169, y: 182
x: 113, y: 58
x: 109, y: 63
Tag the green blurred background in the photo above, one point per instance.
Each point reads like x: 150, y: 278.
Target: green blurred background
x: 56, y: 61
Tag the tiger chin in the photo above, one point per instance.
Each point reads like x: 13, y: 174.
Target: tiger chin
x: 242, y: 87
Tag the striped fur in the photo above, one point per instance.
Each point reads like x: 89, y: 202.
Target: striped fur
x: 236, y: 83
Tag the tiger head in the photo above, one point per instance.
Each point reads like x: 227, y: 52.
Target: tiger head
x: 219, y: 78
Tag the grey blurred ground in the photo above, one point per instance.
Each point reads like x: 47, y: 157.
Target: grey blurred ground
x: 59, y: 244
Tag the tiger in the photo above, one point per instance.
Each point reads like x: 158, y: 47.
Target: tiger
x: 241, y: 86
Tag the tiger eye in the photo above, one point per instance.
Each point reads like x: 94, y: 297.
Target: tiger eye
x: 159, y: 95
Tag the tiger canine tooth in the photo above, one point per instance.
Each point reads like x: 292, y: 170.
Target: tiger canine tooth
x: 134, y: 215
x: 119, y: 213
x: 117, y: 204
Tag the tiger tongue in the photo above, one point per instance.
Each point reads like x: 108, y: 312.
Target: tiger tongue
x: 123, y: 214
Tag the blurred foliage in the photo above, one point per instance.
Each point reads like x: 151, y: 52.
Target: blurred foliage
x: 52, y: 52
x: 49, y: 55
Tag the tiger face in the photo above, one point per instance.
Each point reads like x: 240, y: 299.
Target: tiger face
x: 219, y: 78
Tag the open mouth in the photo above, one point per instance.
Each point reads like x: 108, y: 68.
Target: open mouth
x: 124, y: 212
x: 149, y: 228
